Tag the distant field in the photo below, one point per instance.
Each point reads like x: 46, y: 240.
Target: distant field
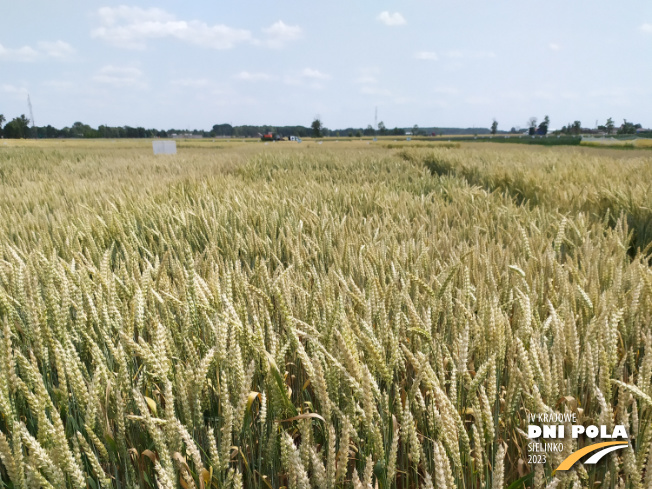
x: 346, y: 314
x: 618, y: 143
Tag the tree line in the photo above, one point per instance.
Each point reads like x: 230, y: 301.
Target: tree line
x: 19, y: 128
x: 575, y: 128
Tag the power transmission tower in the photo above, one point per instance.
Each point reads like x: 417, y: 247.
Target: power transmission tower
x: 31, y: 116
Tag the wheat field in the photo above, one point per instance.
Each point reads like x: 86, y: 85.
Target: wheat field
x: 320, y: 316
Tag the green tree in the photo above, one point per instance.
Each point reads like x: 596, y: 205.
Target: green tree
x: 576, y: 128
x: 543, y: 127
x: 532, y: 125
x: 316, y: 128
x: 2, y: 121
x: 222, y: 130
x: 628, y: 127
x: 415, y: 130
x: 381, y: 128
x: 609, y: 125
x: 18, y: 128
x: 81, y: 130
x: 494, y: 127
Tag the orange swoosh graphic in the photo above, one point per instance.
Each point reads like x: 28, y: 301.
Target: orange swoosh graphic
x: 575, y: 456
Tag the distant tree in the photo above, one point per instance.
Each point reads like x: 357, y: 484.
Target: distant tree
x: 2, y: 121
x: 81, y: 130
x: 609, y: 126
x: 512, y: 130
x: 18, y: 128
x: 576, y: 128
x: 628, y: 127
x: 543, y: 127
x: 48, y: 132
x: 415, y: 130
x: 316, y: 127
x: 222, y: 130
x: 381, y: 128
x: 358, y: 134
x: 494, y: 127
x: 397, y: 131
x: 369, y: 131
x: 532, y: 125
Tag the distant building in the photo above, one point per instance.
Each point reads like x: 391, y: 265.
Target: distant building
x: 186, y: 135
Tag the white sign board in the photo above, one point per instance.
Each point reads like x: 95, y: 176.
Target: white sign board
x: 165, y: 147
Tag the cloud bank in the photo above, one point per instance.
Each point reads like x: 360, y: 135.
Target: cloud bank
x: 390, y: 19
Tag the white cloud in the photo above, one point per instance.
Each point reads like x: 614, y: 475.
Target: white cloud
x: 307, y: 77
x: 279, y: 33
x: 427, y: 55
x: 111, y: 16
x: 554, y: 46
x: 131, y: 27
x: 646, y: 27
x: 120, y: 76
x: 315, y: 74
x: 391, y: 19
x: 191, y: 82
x: 369, y: 79
x: 25, y: 53
x: 56, y: 49
x: 52, y: 49
x: 13, y: 89
x: 247, y: 76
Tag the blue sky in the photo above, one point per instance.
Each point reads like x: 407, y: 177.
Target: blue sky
x: 437, y: 63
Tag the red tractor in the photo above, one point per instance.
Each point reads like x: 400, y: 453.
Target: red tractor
x: 270, y: 136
